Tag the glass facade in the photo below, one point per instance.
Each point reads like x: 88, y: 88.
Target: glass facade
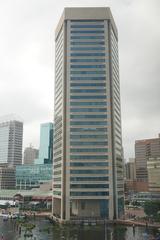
x: 30, y: 176
x: 46, y: 144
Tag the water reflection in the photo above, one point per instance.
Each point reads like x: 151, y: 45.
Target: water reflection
x: 44, y: 230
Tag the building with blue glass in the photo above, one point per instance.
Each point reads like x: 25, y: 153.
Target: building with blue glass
x: 46, y: 144
x: 32, y: 175
x: 88, y: 156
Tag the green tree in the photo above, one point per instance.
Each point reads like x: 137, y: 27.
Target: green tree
x: 151, y: 208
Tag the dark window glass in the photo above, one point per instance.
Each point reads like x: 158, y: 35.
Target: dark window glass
x: 87, y: 48
x: 87, y: 66
x: 87, y: 26
x: 87, y: 54
x: 89, y: 179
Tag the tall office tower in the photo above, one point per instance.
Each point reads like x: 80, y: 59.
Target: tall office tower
x: 11, y: 137
x: 88, y: 164
x: 145, y: 149
x: 30, y: 154
x: 46, y: 144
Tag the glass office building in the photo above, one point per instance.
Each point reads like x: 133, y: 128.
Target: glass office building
x: 88, y: 160
x: 46, y: 144
x: 31, y: 176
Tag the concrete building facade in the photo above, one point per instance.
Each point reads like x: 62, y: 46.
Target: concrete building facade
x: 153, y: 166
x: 7, y: 177
x: 11, y: 138
x: 30, y: 154
x: 88, y: 164
x: 130, y: 169
x: 145, y: 149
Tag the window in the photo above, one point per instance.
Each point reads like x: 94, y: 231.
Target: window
x: 87, y: 37
x: 87, y: 43
x: 89, y: 123
x: 88, y: 136
x: 77, y: 150
x: 88, y: 110
x: 89, y: 164
x: 89, y: 97
x: 88, y: 78
x: 88, y: 103
x: 88, y: 143
x: 87, y: 116
x: 87, y: 72
x: 87, y: 66
x: 89, y: 193
x: 87, y: 48
x: 89, y: 157
x: 89, y: 186
x: 87, y: 26
x: 87, y: 31
x: 81, y: 179
x: 87, y: 54
x: 86, y: 129
x: 87, y: 60
x: 90, y: 171
x: 88, y: 91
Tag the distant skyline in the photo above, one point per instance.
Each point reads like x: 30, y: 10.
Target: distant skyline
x: 27, y: 63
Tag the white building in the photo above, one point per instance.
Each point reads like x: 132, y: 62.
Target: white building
x: 88, y: 164
x: 11, y: 137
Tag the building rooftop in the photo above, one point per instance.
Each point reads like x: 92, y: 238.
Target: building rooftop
x: 87, y: 13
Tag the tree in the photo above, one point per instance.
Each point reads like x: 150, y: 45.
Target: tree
x: 151, y: 208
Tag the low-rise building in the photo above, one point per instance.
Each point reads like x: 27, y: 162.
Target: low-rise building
x: 7, y: 177
x: 31, y: 176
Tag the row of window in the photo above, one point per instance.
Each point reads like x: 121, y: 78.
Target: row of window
x: 87, y: 48
x: 88, y: 66
x: 87, y: 116
x: 88, y: 90
x: 89, y: 193
x: 89, y: 164
x: 87, y: 136
x: 88, y: 78
x: 87, y: 60
x: 87, y: 84
x: 87, y: 54
x: 87, y: 31
x: 90, y: 171
x: 88, y: 110
x: 87, y: 43
x: 89, y: 186
x: 87, y: 26
x: 88, y: 157
x: 88, y: 143
x: 88, y: 103
x: 87, y: 37
x: 87, y: 72
x: 89, y: 97
x: 94, y: 179
x: 86, y: 129
x: 76, y: 150
x: 100, y: 123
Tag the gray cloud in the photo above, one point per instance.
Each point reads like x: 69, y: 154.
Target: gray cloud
x: 27, y: 63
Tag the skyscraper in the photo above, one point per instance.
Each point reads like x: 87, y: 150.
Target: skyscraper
x: 11, y: 137
x: 145, y: 149
x: 46, y: 144
x: 88, y: 164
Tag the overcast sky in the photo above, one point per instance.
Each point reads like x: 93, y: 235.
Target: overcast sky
x: 27, y: 63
